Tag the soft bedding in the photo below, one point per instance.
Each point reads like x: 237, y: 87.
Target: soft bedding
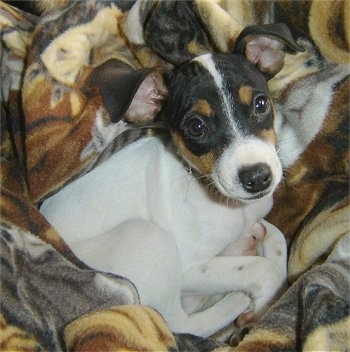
x: 55, y: 127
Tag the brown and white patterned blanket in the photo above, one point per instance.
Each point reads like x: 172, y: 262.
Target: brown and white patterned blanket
x: 55, y: 127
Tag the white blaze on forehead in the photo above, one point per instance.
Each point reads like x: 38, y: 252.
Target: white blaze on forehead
x: 207, y: 62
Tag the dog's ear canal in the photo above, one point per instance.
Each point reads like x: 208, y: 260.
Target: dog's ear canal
x: 266, y: 45
x: 129, y: 94
x: 148, y: 98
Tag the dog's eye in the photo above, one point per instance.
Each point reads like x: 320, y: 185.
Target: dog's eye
x: 261, y: 104
x: 196, y: 127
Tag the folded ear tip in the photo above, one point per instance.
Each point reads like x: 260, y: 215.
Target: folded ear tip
x: 286, y: 36
x: 299, y: 48
x: 279, y: 31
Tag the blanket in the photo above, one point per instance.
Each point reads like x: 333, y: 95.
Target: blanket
x: 55, y: 127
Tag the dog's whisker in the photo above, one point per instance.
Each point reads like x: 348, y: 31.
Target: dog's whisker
x: 191, y: 181
x: 289, y: 138
x: 279, y: 107
x: 287, y: 171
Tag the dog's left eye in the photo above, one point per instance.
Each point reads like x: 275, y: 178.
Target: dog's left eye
x: 196, y: 127
x: 261, y: 104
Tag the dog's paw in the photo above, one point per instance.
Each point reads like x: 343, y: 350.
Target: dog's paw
x: 249, y: 244
x: 274, y: 247
x: 257, y: 235
x: 246, y: 319
x: 243, y: 324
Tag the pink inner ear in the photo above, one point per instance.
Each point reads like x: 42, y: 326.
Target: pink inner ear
x: 147, y: 100
x: 253, y: 52
x: 268, y: 53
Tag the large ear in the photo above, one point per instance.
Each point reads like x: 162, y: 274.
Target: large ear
x: 134, y: 95
x: 146, y: 102
x: 266, y: 45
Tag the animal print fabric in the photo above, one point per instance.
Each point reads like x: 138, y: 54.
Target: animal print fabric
x: 53, y: 131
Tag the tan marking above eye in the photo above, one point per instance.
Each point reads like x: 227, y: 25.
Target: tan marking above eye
x: 203, y: 107
x: 245, y: 94
x: 204, y: 163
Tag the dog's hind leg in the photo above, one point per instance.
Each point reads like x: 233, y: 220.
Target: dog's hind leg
x: 140, y: 251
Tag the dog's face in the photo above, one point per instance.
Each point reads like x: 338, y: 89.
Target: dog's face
x: 220, y: 115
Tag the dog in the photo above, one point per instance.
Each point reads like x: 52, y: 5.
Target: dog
x: 166, y: 213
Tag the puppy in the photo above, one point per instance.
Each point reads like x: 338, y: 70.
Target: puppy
x: 165, y: 213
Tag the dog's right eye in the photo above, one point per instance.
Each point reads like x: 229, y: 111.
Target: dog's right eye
x: 261, y: 104
x: 196, y: 127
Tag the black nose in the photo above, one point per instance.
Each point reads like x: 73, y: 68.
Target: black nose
x: 255, y: 178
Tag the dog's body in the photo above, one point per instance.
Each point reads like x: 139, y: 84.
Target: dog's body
x: 144, y: 201
x: 158, y: 226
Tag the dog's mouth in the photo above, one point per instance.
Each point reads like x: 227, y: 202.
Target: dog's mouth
x: 255, y: 197
x: 260, y: 182
x: 238, y: 193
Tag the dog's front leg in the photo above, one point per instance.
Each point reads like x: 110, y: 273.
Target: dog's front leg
x: 260, y: 277
x: 256, y: 276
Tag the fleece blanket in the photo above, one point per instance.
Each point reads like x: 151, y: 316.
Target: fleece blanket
x: 55, y: 128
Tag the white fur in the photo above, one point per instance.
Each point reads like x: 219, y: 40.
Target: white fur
x: 141, y: 215
x: 207, y: 61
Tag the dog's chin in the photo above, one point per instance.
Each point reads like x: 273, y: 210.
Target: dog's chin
x: 254, y: 197
x: 240, y: 196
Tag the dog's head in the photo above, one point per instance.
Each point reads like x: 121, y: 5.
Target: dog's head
x: 219, y: 111
x: 220, y: 115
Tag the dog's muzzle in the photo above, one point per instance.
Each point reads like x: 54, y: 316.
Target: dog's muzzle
x: 248, y: 170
